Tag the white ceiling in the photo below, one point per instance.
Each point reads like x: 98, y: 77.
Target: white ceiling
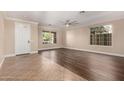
x: 57, y: 18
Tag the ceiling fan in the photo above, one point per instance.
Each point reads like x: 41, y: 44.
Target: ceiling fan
x: 68, y: 23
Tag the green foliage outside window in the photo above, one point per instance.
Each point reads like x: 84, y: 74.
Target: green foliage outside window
x: 49, y: 37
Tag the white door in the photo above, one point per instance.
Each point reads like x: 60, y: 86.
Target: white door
x: 22, y: 38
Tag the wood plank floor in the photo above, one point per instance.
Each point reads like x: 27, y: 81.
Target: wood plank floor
x: 34, y: 67
x: 63, y: 64
x: 91, y: 66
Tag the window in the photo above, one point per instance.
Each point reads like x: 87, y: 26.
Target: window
x: 49, y: 37
x: 101, y: 35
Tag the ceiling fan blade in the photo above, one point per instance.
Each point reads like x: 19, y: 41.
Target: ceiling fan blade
x: 74, y: 22
x: 67, y: 21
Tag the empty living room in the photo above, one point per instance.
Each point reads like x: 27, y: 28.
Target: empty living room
x: 61, y: 45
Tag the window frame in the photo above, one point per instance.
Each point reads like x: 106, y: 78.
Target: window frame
x: 54, y: 37
x: 102, y: 42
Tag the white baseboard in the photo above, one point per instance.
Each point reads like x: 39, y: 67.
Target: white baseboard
x: 10, y: 55
x: 33, y: 52
x: 50, y: 48
x: 112, y: 54
x: 2, y: 61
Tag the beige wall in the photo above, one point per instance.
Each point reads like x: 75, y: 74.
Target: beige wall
x: 59, y: 38
x: 80, y: 39
x: 1, y: 38
x: 10, y: 38
x: 34, y: 37
x: 74, y: 38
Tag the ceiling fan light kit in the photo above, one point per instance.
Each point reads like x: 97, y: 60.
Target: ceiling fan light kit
x: 67, y: 25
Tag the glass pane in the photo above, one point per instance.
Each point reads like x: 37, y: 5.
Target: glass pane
x: 49, y: 37
x: 101, y: 35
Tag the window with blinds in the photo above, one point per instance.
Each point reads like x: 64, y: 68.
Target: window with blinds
x: 101, y: 35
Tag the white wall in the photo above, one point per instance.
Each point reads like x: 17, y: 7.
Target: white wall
x: 80, y: 39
